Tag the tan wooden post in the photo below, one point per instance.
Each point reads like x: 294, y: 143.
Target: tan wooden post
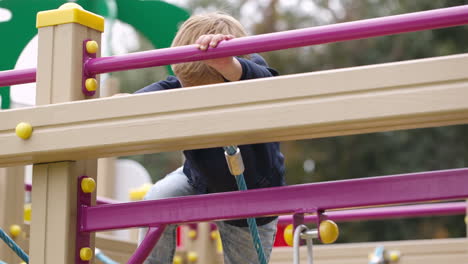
x: 62, y: 33
x: 11, y: 206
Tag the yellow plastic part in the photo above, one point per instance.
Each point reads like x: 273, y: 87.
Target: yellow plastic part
x: 27, y: 212
x: 192, y: 257
x: 328, y: 231
x: 177, y: 260
x: 91, y: 84
x: 86, y: 254
x: 192, y: 234
x: 394, y: 256
x: 70, y: 13
x: 88, y: 185
x: 24, y: 130
x: 288, y: 234
x: 466, y: 220
x: 92, y: 46
x: 15, y: 230
x: 139, y: 193
x: 214, y: 234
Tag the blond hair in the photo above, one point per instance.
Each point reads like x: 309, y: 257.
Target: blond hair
x: 198, y: 73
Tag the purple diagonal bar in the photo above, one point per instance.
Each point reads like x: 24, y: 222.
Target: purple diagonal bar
x: 439, y: 18
x: 419, y: 210
x: 143, y: 251
x: 385, y: 190
x: 13, y: 77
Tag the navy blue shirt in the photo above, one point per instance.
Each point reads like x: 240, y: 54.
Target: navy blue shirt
x: 207, y: 170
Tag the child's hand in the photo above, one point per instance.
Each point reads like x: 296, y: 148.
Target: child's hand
x: 211, y: 40
x: 229, y: 67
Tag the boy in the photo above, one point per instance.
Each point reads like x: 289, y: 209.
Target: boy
x: 205, y: 170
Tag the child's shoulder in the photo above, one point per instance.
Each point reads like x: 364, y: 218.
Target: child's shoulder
x: 171, y: 82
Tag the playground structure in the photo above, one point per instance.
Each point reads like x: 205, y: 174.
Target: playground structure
x: 63, y: 137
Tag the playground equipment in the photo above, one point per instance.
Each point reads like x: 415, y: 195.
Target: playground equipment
x: 81, y: 131
x: 22, y: 20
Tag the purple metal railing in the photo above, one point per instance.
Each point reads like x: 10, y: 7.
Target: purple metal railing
x: 13, y: 77
x: 307, y: 198
x: 452, y: 208
x: 143, y: 251
x: 433, y: 19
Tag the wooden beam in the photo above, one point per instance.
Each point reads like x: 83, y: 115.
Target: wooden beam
x: 402, y: 95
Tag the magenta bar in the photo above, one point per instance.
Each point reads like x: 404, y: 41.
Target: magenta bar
x: 439, y: 18
x: 13, y: 77
x: 452, y: 208
x: 385, y: 190
x: 143, y: 251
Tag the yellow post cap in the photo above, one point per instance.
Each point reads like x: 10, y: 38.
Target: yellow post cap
x: 192, y: 257
x: 92, y: 46
x: 27, y: 212
x: 177, y: 260
x: 15, y: 230
x: 86, y: 254
x: 91, y: 84
x: 328, y: 231
x: 24, y: 130
x: 70, y: 13
x: 192, y: 234
x: 70, y: 6
x: 214, y: 234
x: 88, y: 185
x: 395, y: 256
x: 288, y: 235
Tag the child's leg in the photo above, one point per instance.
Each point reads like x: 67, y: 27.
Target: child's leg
x: 238, y: 246
x: 173, y: 185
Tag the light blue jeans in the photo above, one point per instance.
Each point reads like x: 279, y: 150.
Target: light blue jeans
x: 237, y: 241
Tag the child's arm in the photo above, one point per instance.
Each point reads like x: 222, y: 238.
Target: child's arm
x: 229, y: 67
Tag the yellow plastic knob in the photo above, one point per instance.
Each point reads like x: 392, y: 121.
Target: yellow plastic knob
x: 192, y: 257
x: 92, y: 46
x: 177, y: 260
x: 27, y: 212
x: 24, y: 130
x: 91, y: 84
x: 214, y: 234
x: 15, y: 230
x: 86, y: 254
x: 466, y: 220
x: 394, y: 256
x: 88, y: 185
x: 288, y: 234
x: 192, y: 234
x: 328, y: 231
x: 70, y: 6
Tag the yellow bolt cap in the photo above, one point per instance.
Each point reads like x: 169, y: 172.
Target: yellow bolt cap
x: 24, y: 130
x: 192, y: 234
x: 86, y: 254
x: 214, y: 234
x: 88, y: 185
x: 328, y: 231
x: 27, y: 212
x: 91, y: 84
x: 192, y: 257
x: 177, y: 260
x: 70, y: 6
x: 92, y: 46
x: 394, y: 256
x: 15, y: 230
x: 288, y: 235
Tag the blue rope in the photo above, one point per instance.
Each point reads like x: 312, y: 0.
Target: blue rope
x: 13, y: 246
x: 231, y: 150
